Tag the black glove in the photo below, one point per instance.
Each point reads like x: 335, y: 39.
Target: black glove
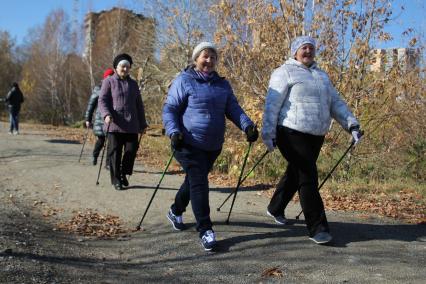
x: 252, y: 133
x: 177, y: 140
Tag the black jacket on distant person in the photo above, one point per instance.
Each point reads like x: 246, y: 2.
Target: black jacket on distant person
x: 14, y: 99
x: 91, y: 107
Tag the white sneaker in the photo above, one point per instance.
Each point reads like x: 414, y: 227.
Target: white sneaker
x: 278, y: 219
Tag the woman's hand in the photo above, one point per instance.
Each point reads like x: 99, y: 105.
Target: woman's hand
x: 108, y: 119
x: 87, y: 124
x: 270, y: 144
x: 252, y: 133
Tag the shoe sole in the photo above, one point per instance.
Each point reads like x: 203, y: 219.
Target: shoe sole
x: 209, y: 249
x: 173, y: 224
x: 320, y: 243
x: 279, y: 223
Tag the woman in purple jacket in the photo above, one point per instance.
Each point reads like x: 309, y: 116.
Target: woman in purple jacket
x: 122, y: 109
x: 194, y: 118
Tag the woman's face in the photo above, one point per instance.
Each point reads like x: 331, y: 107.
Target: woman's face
x: 206, y: 61
x: 306, y: 54
x: 123, y: 70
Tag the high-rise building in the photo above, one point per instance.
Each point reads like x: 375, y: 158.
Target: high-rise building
x: 115, y: 31
x: 385, y: 59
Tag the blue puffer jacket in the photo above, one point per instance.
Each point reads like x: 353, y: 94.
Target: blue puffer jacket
x: 197, y: 106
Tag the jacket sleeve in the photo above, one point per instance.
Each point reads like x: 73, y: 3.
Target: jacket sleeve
x: 235, y: 113
x: 275, y: 97
x: 340, y: 110
x: 105, y: 99
x: 141, y: 111
x: 91, y: 106
x: 21, y: 97
x: 8, y: 96
x: 176, y: 102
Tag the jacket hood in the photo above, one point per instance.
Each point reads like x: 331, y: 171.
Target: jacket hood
x: 292, y: 61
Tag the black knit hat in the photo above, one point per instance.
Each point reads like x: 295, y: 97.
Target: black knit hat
x: 123, y: 56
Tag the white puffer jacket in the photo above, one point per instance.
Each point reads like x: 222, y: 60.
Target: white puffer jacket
x: 303, y: 99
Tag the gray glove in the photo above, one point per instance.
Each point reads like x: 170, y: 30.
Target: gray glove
x: 356, y: 135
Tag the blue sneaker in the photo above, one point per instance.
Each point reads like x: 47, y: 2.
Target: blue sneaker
x: 208, y: 240
x: 321, y: 238
x: 177, y: 221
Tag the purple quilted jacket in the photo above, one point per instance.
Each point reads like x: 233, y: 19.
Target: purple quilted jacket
x: 121, y: 99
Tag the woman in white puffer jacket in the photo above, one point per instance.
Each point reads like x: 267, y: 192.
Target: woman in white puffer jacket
x: 300, y: 103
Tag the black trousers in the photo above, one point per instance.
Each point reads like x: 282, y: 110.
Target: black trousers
x: 197, y: 164
x: 122, y: 148
x: 301, y: 152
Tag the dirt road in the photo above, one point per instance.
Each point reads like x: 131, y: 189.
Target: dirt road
x: 42, y: 185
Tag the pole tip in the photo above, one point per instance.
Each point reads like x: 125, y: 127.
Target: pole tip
x: 139, y: 228
x: 218, y: 209
x: 227, y: 222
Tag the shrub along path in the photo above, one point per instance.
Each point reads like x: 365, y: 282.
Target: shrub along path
x: 56, y: 225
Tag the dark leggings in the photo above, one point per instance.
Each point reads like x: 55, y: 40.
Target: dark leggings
x: 197, y: 164
x: 301, y: 152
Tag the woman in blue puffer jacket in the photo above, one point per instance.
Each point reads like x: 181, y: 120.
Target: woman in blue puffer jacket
x: 194, y: 118
x: 300, y: 103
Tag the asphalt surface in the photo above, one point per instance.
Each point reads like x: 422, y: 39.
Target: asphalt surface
x: 38, y: 169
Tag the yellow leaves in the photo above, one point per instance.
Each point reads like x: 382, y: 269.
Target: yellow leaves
x: 272, y: 272
x: 93, y: 224
x: 402, y: 205
x: 412, y: 42
x: 384, y: 36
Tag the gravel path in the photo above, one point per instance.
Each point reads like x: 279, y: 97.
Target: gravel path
x: 42, y: 185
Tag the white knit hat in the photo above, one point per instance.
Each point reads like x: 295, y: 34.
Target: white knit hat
x: 299, y: 41
x: 201, y: 46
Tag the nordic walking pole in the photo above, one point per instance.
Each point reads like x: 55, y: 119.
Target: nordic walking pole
x: 239, y: 181
x: 84, y: 143
x: 332, y: 170
x: 244, y: 178
x: 103, y: 152
x: 138, y: 227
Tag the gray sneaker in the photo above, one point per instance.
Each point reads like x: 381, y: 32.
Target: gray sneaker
x: 321, y: 238
x: 278, y: 219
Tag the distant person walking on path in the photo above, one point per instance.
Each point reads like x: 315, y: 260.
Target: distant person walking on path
x: 300, y: 102
x: 194, y: 118
x: 99, y: 122
x: 14, y: 99
x: 122, y: 109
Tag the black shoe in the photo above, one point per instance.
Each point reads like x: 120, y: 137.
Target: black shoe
x: 124, y: 180
x: 95, y: 161
x: 118, y: 186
